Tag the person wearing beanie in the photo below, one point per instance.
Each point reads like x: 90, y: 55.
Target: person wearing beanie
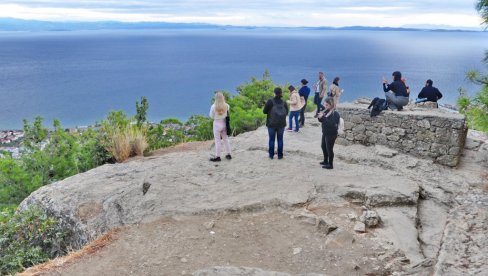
x: 398, y: 97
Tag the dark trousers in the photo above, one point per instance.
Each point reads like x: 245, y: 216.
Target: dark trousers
x: 302, y: 114
x: 318, y: 102
x: 328, y: 147
x: 276, y: 133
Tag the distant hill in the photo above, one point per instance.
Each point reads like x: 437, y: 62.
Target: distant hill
x: 12, y: 24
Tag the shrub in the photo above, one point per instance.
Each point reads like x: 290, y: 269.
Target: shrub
x: 138, y: 140
x: 118, y: 144
x: 29, y: 238
x: 200, y: 128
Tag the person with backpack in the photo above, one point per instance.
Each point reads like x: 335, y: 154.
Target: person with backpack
x: 295, y: 107
x: 218, y: 111
x: 303, y: 92
x: 276, y: 111
x: 398, y: 98
x: 330, y: 120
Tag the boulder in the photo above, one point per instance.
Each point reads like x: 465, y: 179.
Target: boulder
x: 370, y: 218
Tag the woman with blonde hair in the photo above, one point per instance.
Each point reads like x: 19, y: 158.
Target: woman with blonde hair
x: 218, y: 112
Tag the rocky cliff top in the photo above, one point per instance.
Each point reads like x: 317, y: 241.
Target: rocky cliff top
x: 378, y: 211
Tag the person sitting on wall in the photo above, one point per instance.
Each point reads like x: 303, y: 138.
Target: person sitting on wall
x: 429, y: 93
x: 398, y: 97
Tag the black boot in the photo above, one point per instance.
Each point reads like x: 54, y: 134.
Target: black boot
x: 325, y: 162
x: 328, y: 166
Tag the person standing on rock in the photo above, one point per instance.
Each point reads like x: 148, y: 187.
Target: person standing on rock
x: 320, y: 88
x: 335, y: 91
x: 398, y: 97
x: 276, y: 111
x: 218, y: 112
x: 295, y: 107
x: 330, y: 123
x: 303, y: 92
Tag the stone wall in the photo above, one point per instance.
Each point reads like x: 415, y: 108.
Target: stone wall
x: 427, y: 133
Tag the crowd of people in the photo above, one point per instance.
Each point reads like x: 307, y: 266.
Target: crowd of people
x: 326, y: 100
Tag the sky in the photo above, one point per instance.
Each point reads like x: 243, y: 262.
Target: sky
x: 277, y: 13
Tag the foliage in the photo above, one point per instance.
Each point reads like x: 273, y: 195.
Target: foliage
x: 482, y: 7
x: 141, y: 111
x: 34, y: 134
x: 47, y: 157
x: 121, y: 138
x: 169, y: 132
x: 15, y: 182
x: 476, y: 108
x: 29, y: 238
x: 138, y: 140
x: 200, y: 128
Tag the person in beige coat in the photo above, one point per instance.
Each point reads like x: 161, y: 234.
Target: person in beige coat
x: 320, y: 88
x: 335, y: 91
x: 296, y: 105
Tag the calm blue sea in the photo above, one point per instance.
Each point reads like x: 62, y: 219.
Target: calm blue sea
x: 79, y: 76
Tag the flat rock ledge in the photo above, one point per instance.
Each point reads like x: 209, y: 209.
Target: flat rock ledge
x: 432, y: 216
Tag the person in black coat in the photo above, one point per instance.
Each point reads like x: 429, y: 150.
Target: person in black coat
x: 276, y: 110
x: 398, y: 97
x: 330, y: 123
x: 429, y: 93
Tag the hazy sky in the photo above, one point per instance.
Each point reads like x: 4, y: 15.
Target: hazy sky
x: 252, y: 12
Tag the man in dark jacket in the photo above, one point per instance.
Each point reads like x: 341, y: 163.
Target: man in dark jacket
x: 276, y: 110
x: 303, y: 92
x: 430, y: 93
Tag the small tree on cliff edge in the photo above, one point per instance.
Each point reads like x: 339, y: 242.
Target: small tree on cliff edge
x: 141, y: 111
x: 476, y: 108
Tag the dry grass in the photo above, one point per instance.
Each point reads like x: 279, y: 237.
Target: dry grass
x: 120, y: 146
x: 59, y: 262
x: 138, y: 141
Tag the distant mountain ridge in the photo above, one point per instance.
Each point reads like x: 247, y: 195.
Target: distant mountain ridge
x: 12, y: 24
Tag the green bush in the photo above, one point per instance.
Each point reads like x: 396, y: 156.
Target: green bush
x: 29, y: 238
x: 169, y: 132
x: 476, y: 108
x: 200, y: 128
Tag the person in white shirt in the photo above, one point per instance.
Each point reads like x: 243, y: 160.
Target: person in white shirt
x: 218, y: 112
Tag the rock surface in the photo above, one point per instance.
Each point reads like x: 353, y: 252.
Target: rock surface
x: 252, y: 211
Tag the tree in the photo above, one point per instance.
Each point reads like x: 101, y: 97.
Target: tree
x: 141, y: 111
x: 476, y: 108
x: 482, y: 7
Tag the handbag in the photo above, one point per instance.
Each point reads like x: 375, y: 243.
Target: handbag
x: 227, y: 124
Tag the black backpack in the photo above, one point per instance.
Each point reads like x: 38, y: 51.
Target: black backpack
x: 277, y: 115
x: 378, y: 106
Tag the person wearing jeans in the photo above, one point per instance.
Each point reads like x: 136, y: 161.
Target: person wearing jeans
x: 275, y: 134
x: 295, y: 107
x: 320, y: 88
x: 276, y: 111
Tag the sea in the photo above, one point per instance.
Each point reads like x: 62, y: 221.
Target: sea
x: 79, y: 76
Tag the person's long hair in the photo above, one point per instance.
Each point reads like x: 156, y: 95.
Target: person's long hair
x: 220, y: 104
x: 330, y: 101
